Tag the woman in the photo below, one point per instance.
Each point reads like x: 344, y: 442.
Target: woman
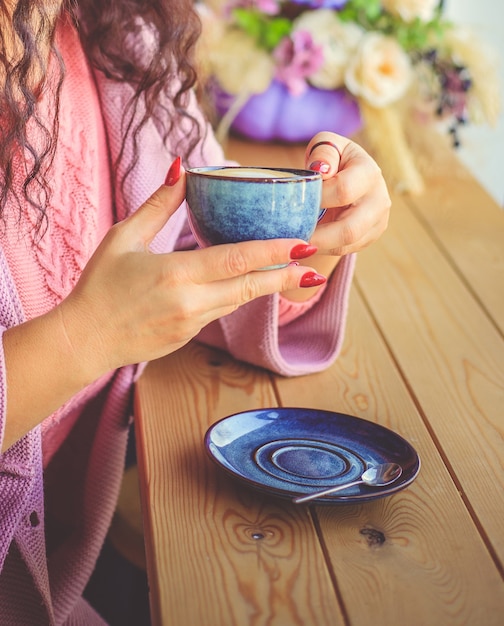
x: 96, y: 105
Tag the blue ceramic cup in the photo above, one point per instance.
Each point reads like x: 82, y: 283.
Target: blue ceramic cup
x: 231, y: 204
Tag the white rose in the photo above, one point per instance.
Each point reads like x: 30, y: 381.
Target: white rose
x: 380, y: 72
x: 239, y: 65
x: 408, y: 10
x: 339, y: 41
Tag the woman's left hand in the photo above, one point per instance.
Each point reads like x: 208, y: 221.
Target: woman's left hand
x: 354, y: 193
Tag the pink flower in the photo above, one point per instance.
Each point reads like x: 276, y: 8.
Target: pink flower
x: 297, y: 57
x: 270, y: 7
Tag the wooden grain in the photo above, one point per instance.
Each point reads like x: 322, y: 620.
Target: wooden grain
x: 462, y: 219
x: 468, y: 226
x: 449, y: 352
x: 395, y: 547
x: 219, y: 554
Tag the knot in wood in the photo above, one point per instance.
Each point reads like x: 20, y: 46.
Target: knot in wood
x: 374, y: 537
x: 258, y: 534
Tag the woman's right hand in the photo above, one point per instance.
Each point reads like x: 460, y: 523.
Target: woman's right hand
x: 131, y: 305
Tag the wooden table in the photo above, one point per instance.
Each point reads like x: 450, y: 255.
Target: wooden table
x: 424, y: 356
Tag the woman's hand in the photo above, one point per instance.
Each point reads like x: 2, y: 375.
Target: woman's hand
x: 355, y: 196
x: 138, y: 306
x: 354, y: 192
x: 131, y: 305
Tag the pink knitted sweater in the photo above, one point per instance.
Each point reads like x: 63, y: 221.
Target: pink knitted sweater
x: 59, y: 483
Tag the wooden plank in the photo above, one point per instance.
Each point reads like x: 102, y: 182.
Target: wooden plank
x: 450, y: 353
x: 415, y: 558
x: 219, y: 554
x: 468, y: 225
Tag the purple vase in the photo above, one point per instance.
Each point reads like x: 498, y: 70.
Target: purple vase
x: 278, y: 115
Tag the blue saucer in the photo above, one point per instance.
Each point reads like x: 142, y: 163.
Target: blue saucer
x: 290, y: 452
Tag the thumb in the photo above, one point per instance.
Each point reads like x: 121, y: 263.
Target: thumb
x: 151, y: 216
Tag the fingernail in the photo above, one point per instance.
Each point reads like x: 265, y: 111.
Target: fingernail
x: 312, y: 279
x: 320, y: 166
x: 173, y: 173
x: 295, y: 263
x: 302, y: 250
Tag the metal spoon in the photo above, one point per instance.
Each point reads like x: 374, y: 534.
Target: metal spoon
x: 377, y: 476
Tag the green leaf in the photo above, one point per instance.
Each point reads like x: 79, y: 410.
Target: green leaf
x: 265, y: 30
x: 363, y: 12
x: 248, y: 21
x: 277, y: 29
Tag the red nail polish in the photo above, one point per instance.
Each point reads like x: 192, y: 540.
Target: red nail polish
x: 302, y: 250
x: 320, y: 166
x: 173, y: 173
x: 312, y: 279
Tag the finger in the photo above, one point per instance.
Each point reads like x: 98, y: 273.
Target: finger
x: 150, y: 218
x: 225, y: 296
x: 324, y: 153
x: 230, y: 260
x: 358, y: 176
x: 352, y: 229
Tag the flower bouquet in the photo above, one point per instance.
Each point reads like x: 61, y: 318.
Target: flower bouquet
x: 283, y: 70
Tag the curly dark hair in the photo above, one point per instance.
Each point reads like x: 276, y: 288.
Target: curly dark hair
x: 104, y: 28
